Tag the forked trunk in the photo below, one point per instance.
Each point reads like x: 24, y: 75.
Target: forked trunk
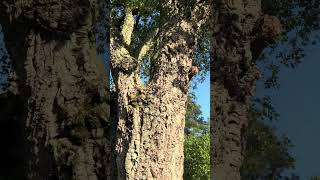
x: 151, y: 123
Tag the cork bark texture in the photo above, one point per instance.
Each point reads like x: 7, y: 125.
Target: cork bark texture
x: 150, y: 131
x: 58, y: 86
x: 240, y: 33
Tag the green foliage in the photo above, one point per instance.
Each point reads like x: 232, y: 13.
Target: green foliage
x: 197, y: 143
x: 299, y: 19
x: 143, y: 6
x: 272, y: 81
x: 315, y: 178
x: 202, y: 60
x: 195, y: 123
x: 146, y: 14
x: 197, y: 157
x: 263, y: 109
x: 267, y: 154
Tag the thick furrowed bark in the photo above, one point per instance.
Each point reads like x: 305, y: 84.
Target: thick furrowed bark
x: 60, y: 81
x: 151, y: 119
x: 241, y: 32
x: 233, y: 78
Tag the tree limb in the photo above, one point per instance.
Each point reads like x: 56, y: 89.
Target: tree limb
x: 127, y: 27
x: 148, y: 42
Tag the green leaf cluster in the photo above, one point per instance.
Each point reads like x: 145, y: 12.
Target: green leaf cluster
x: 300, y: 19
x: 197, y: 157
x: 267, y: 154
x: 195, y: 123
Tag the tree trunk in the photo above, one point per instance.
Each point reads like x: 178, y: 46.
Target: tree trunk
x: 59, y: 87
x: 233, y: 77
x: 151, y: 118
x: 241, y: 33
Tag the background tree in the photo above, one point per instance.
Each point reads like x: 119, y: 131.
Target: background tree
x: 197, y: 143
x: 195, y: 122
x: 197, y: 157
x: 267, y: 154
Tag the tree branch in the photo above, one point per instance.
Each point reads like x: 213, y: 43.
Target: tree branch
x: 121, y: 58
x: 127, y: 27
x: 200, y: 15
x: 147, y: 44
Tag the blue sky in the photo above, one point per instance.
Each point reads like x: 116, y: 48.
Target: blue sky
x: 298, y: 102
x: 203, y: 96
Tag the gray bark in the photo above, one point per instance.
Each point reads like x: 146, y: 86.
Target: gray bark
x: 240, y: 33
x: 59, y: 87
